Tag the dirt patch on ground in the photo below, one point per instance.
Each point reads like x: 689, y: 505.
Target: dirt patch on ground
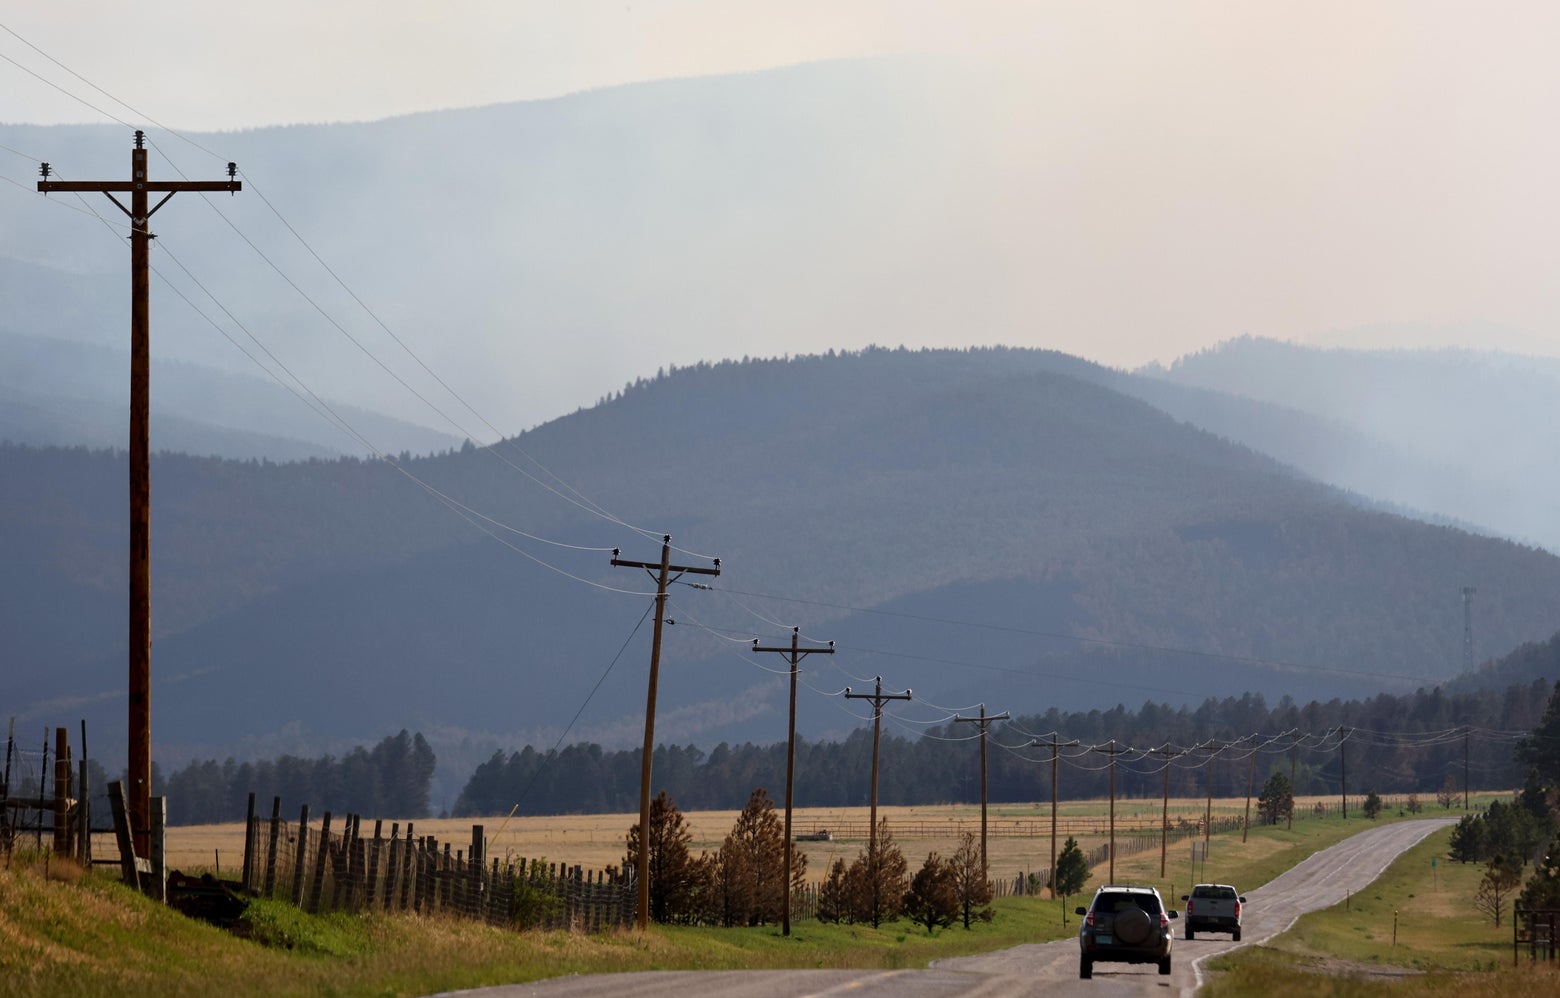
x: 1336, y: 967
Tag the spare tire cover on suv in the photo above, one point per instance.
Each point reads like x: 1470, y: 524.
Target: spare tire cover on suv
x: 1132, y: 925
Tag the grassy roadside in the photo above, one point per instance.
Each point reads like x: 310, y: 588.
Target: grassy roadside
x: 65, y: 934
x: 1441, y: 944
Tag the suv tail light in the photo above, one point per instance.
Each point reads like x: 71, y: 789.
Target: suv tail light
x: 1164, y: 920
x: 1089, y: 918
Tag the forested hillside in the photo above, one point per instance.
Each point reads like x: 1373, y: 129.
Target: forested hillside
x: 1394, y: 745
x: 991, y: 526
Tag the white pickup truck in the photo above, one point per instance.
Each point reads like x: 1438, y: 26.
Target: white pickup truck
x: 1213, y: 908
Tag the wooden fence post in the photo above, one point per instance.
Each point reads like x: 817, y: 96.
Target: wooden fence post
x: 270, y: 848
x: 321, y: 856
x: 371, y: 882
x: 393, y: 865
x: 298, y: 857
x: 245, y: 878
x: 159, y: 842
x: 127, y: 864
x: 84, y: 815
x: 476, y: 868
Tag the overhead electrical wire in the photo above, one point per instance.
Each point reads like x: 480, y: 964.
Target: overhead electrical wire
x: 481, y: 521
x: 581, y: 501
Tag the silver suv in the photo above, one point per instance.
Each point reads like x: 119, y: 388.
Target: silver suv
x: 1124, y: 925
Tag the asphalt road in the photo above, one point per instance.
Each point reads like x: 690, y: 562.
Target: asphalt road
x: 1320, y: 881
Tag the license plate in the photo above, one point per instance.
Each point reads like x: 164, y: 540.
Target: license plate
x: 1102, y: 940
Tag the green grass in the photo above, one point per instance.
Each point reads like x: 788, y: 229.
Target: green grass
x: 62, y: 933
x: 1442, y: 944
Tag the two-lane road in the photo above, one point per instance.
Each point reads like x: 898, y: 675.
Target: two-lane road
x: 1320, y: 881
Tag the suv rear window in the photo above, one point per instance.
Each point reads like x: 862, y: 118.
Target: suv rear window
x: 1113, y: 902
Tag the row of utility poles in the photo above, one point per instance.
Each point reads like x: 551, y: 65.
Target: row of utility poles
x: 664, y: 573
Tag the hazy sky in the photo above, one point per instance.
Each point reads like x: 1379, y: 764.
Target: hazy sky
x: 1353, y: 173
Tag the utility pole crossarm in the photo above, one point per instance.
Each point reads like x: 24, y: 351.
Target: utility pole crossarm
x: 130, y: 187
x: 139, y: 692
x: 984, y: 720
x: 797, y: 653
x: 878, y: 697
x: 661, y: 571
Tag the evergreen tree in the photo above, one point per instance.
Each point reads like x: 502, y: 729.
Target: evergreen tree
x: 672, y: 878
x: 834, y: 899
x: 752, y: 866
x: 970, y: 882
x: 1072, y: 870
x: 1277, y: 800
x: 1372, y: 805
x: 1500, y: 879
x: 1469, y: 839
x: 933, y: 898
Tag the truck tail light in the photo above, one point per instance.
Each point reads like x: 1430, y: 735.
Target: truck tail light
x: 1189, y: 909
x: 1237, y: 909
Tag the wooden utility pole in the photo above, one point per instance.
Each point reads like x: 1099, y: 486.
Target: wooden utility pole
x: 878, y: 697
x: 1212, y: 748
x: 1112, y: 751
x: 984, y: 722
x: 1292, y: 790
x: 139, y: 792
x: 1466, y: 730
x: 1251, y: 775
x: 796, y: 653
x: 1343, y: 774
x: 1055, y: 747
x: 1164, y: 817
x: 662, y: 573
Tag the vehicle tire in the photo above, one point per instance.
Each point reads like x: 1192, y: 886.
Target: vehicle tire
x: 1164, y: 967
x: 1132, y: 926
x: 1085, y: 968
x: 1189, y: 933
x: 1236, y: 935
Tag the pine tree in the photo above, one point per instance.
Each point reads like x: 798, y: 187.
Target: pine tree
x: 1072, y: 870
x: 970, y: 882
x: 933, y: 899
x: 1277, y: 800
x: 1500, y: 879
x: 752, y: 865
x: 671, y: 867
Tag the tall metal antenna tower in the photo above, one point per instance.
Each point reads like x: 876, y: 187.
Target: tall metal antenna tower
x: 1467, y: 594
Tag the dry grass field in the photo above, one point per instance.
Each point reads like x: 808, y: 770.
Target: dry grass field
x: 1018, y: 835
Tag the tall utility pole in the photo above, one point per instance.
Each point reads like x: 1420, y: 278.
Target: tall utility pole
x: 1251, y: 775
x: 1212, y: 748
x: 1343, y: 773
x: 878, y: 697
x: 1467, y: 595
x: 1164, y: 818
x: 1112, y: 751
x: 1466, y: 731
x: 1292, y: 790
x: 797, y: 653
x: 984, y: 722
x: 139, y: 792
x: 1056, y: 746
x: 662, y: 573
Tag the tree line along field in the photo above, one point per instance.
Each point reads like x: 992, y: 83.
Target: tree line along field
x: 1018, y: 836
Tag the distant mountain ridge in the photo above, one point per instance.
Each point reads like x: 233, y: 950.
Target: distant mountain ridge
x: 61, y: 393
x: 1463, y: 434
x: 991, y: 526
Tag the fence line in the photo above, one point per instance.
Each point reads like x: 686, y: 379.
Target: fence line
x: 334, y: 866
